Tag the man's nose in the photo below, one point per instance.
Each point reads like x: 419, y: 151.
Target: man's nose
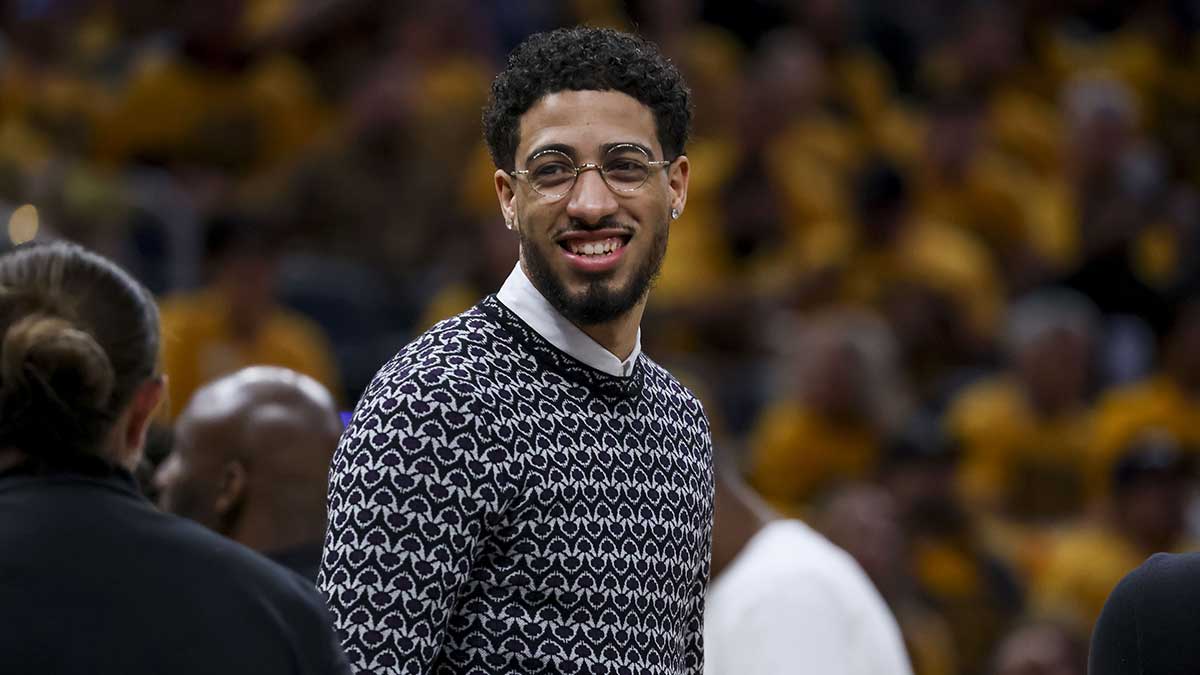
x: 590, y: 199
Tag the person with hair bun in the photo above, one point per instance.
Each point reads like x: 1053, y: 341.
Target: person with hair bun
x: 93, y: 578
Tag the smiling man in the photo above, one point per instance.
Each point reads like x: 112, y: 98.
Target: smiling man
x: 521, y: 490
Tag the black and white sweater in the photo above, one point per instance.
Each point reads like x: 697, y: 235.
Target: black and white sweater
x: 498, y: 507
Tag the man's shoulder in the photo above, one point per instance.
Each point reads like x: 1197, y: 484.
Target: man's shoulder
x: 474, y: 326
x: 790, y: 554
x: 661, y: 382
x: 471, y: 336
x: 658, y: 375
x: 459, y: 356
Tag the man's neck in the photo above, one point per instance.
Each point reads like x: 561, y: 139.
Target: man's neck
x: 609, y: 346
x: 618, y: 336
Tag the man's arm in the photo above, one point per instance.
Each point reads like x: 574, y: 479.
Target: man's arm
x: 413, y: 488
x: 694, y: 657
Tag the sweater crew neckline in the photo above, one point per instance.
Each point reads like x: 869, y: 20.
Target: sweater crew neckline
x: 562, y: 363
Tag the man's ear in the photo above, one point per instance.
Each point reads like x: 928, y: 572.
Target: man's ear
x: 142, y: 409
x: 232, y: 489
x: 677, y: 182
x: 505, y: 193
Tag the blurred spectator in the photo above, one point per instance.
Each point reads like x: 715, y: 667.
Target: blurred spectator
x: 783, y: 595
x: 207, y: 98
x: 1177, y: 95
x: 964, y: 180
x: 1040, y: 648
x: 804, y: 137
x: 1147, y: 516
x: 1026, y: 431
x: 827, y: 431
x: 1163, y: 250
x: 251, y: 462
x: 1113, y: 178
x: 1165, y: 399
x: 934, y: 283
x: 863, y: 520
x: 1170, y: 399
x: 236, y: 321
x: 952, y: 563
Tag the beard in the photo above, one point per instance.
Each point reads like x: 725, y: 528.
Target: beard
x: 598, y: 303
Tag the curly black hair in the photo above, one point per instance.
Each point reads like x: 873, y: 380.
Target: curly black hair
x: 579, y: 59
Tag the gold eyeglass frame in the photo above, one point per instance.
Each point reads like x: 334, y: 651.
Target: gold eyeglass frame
x: 580, y: 168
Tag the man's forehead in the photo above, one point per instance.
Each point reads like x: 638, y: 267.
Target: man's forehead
x: 586, y: 121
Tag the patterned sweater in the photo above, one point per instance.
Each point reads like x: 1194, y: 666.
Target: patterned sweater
x: 498, y: 507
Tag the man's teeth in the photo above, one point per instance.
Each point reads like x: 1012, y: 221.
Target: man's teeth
x: 602, y: 247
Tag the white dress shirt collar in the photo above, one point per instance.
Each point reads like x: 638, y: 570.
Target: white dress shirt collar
x: 520, y: 295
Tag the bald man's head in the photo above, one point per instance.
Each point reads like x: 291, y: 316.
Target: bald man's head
x: 252, y: 450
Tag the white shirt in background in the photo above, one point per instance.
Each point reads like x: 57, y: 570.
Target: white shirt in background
x: 523, y: 298
x: 792, y: 602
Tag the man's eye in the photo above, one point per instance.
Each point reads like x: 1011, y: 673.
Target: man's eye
x: 625, y: 165
x: 552, y: 170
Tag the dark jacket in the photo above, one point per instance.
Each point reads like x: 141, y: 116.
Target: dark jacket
x: 304, y: 560
x: 94, y: 579
x: 1151, y: 622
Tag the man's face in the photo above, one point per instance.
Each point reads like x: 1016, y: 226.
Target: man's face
x: 629, y: 227
x: 1055, y: 368
x: 189, y: 481
x: 1155, y: 505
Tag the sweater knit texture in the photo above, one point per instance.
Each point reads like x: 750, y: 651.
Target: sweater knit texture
x: 496, y: 506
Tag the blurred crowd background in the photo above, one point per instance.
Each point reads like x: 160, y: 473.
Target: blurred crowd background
x: 936, y: 280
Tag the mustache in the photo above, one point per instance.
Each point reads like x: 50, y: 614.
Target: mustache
x: 605, y: 223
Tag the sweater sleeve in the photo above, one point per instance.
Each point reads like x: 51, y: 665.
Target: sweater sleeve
x: 694, y: 662
x: 416, y: 483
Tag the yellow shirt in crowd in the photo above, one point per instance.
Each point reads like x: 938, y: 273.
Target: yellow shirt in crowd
x: 1121, y: 415
x: 795, y: 452
x: 1083, y: 568
x: 256, y: 119
x: 1016, y: 461
x: 198, y: 346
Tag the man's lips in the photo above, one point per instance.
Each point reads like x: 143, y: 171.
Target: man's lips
x: 594, y: 251
x: 582, y: 236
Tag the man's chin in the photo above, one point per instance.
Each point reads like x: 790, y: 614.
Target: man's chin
x: 587, y: 297
x: 598, y: 302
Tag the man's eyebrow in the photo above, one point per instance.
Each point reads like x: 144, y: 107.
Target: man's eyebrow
x: 609, y: 146
x: 557, y: 147
x: 569, y: 151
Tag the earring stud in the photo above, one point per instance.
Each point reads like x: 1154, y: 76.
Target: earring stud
x: 674, y: 214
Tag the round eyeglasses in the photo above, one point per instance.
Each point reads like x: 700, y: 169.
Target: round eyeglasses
x: 625, y: 168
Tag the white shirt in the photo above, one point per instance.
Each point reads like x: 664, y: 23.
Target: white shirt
x: 792, y: 602
x: 520, y: 295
